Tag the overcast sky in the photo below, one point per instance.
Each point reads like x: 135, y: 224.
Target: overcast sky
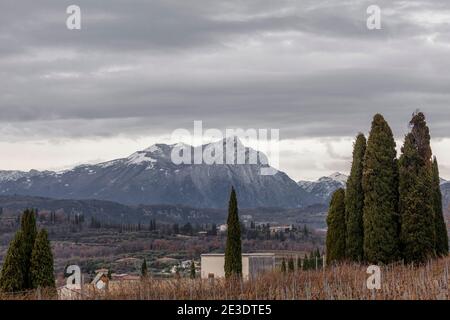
x: 139, y: 69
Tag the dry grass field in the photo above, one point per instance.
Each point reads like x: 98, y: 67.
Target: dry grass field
x: 398, y: 282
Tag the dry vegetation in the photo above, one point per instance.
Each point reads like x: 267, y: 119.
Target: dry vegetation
x: 429, y: 281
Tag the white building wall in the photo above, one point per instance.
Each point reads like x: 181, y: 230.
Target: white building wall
x: 213, y: 264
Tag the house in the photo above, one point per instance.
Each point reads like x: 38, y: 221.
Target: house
x: 212, y: 264
x: 281, y: 229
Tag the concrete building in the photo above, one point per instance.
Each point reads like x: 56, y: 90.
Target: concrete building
x: 212, y: 264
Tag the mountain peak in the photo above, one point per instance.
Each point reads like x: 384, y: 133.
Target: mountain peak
x: 154, y: 148
x: 338, y: 177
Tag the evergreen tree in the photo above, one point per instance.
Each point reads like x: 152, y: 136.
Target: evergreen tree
x: 305, y: 262
x: 192, y: 270
x: 354, y: 202
x: 29, y: 231
x: 12, y: 278
x: 291, y: 267
x: 417, y: 235
x: 421, y: 134
x: 380, y: 185
x: 233, y: 256
x: 312, y: 260
x: 41, y: 266
x: 335, y: 241
x: 144, y: 270
x: 299, y: 263
x: 439, y: 222
x: 318, y: 258
x: 283, y: 266
x: 214, y: 229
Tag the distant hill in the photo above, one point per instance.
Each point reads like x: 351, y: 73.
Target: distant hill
x: 112, y: 212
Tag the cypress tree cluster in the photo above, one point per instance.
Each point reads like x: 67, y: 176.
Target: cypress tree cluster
x: 233, y: 249
x: 29, y: 261
x: 393, y: 208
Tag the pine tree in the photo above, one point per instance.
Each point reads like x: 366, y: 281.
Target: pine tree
x: 354, y: 203
x: 233, y: 249
x: 291, y: 266
x: 335, y: 240
x: 41, y: 266
x: 380, y: 185
x: 12, y: 278
x: 439, y: 222
x: 192, y: 270
x: 29, y: 232
x: 144, y: 270
x: 299, y: 263
x: 283, y: 266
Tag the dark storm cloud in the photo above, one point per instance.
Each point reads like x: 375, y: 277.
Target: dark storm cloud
x: 311, y: 68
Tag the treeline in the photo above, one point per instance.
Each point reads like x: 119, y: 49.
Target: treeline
x: 312, y: 262
x: 29, y: 260
x: 391, y: 209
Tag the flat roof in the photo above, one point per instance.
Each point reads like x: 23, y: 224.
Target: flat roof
x: 256, y: 254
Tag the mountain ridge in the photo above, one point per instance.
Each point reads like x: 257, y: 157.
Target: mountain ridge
x: 149, y: 176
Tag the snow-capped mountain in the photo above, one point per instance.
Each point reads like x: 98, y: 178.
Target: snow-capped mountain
x: 322, y: 189
x: 150, y: 177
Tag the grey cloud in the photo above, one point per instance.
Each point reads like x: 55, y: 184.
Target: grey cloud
x: 64, y: 95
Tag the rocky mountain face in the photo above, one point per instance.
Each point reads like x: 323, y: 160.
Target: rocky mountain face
x: 321, y: 190
x: 151, y: 177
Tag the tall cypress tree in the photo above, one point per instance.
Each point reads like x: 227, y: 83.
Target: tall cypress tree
x: 354, y: 202
x: 29, y: 231
x: 233, y: 250
x: 144, y: 269
x: 291, y: 266
x: 335, y: 241
x: 192, y: 275
x: 12, y: 277
x: 380, y: 185
x: 41, y: 267
x: 439, y: 222
x: 417, y: 234
x: 283, y: 266
x: 421, y: 135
